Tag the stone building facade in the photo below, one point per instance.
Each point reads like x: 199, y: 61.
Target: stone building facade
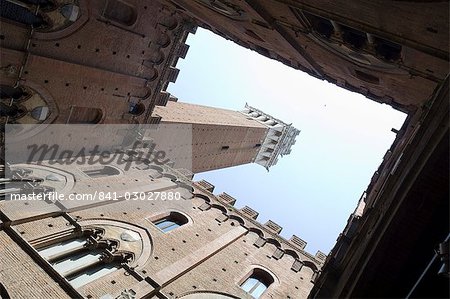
x: 110, y: 62
x: 74, y: 61
x: 394, y: 53
x: 148, y: 232
x: 224, y: 138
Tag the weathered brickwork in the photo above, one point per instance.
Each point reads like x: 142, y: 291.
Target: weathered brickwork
x: 109, y: 64
x: 21, y: 276
x: 394, y: 54
x: 111, y: 61
x: 220, y: 137
x: 213, y: 252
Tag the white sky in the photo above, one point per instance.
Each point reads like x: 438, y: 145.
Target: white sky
x: 344, y: 136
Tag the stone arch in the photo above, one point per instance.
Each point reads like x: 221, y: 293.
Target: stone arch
x: 43, y: 171
x: 184, y: 190
x: 238, y: 219
x: 274, y: 242
x: 257, y: 231
x: 204, y: 197
x: 38, y: 104
x: 220, y: 208
x: 150, y: 73
x: 163, y: 39
x: 307, y: 272
x: 155, y: 58
x: 310, y: 265
x: 292, y: 253
x: 168, y: 22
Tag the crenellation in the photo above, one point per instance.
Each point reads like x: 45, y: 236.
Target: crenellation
x: 273, y: 226
x: 206, y: 185
x: 298, y: 242
x: 111, y: 61
x: 173, y: 98
x: 227, y: 198
x: 172, y: 74
x: 163, y: 98
x: 266, y: 233
x: 249, y: 212
x: 321, y: 256
x: 211, y: 222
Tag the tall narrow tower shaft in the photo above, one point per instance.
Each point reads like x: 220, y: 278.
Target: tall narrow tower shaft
x: 224, y: 138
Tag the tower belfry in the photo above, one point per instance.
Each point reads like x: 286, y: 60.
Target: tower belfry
x: 279, y: 138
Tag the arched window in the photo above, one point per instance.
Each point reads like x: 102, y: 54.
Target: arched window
x: 84, y: 259
x: 257, y: 283
x: 171, y: 221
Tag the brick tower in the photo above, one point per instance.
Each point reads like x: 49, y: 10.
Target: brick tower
x: 224, y: 138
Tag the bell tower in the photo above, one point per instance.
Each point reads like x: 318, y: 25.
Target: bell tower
x: 224, y: 138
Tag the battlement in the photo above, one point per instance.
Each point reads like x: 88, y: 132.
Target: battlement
x: 271, y: 227
x: 249, y: 212
x: 279, y: 139
x: 206, y: 185
x: 321, y: 256
x: 298, y: 242
x: 227, y: 198
x: 168, y: 50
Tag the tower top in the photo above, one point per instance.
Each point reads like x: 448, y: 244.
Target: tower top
x: 278, y: 141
